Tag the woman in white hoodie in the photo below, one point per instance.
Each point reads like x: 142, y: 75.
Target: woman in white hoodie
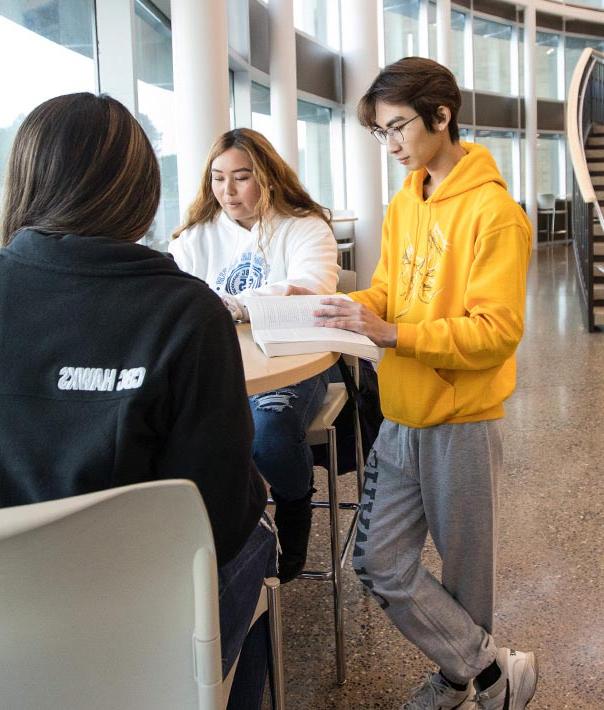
x: 254, y: 230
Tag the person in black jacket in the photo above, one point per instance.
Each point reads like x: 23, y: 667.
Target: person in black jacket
x: 117, y: 366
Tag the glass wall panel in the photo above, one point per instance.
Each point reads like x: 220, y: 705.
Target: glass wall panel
x: 458, y: 27
x: 547, y: 65
x: 314, y: 151
x: 551, y: 164
x: 401, y: 29
x: 261, y: 109
x: 492, y: 56
x: 46, y: 49
x: 231, y: 99
x: 320, y: 19
x: 501, y: 145
x: 548, y: 163
x: 589, y: 3
x: 466, y: 134
x: 574, y: 47
x: 153, y: 46
x: 396, y: 175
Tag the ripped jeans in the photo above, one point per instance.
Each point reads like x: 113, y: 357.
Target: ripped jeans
x: 280, y: 451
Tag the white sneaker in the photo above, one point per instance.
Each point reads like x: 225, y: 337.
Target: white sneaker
x: 515, y: 687
x: 437, y: 694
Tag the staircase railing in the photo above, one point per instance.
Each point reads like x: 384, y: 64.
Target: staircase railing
x: 585, y: 107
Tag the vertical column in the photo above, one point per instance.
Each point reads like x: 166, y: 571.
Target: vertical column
x: 530, y: 116
x: 115, y: 31
x: 201, y: 86
x: 363, y: 178
x: 284, y: 110
x: 443, y: 31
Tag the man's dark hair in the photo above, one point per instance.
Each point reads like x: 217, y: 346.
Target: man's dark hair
x: 420, y: 83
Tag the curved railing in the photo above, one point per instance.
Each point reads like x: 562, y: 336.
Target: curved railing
x: 585, y: 108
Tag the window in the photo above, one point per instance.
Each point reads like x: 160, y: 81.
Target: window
x: 547, y: 65
x: 320, y: 19
x: 261, y: 110
x: 49, y: 48
x: 401, y: 29
x: 492, y: 56
x: 551, y: 164
x: 459, y: 22
x: 396, y: 174
x: 314, y: 150
x: 153, y: 45
x: 466, y: 135
x: 574, y: 47
x: 501, y: 145
x: 590, y: 3
x: 231, y: 99
x: 549, y: 167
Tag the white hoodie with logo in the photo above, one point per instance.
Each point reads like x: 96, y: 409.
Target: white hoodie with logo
x: 298, y: 251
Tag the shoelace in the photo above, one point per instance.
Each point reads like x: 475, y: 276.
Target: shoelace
x: 426, y: 694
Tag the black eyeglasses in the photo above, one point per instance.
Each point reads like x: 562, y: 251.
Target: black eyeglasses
x: 395, y: 132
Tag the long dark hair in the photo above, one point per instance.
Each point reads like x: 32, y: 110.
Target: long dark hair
x: 81, y: 164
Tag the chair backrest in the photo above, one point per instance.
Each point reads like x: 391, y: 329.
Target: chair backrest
x: 546, y: 201
x: 347, y: 281
x: 103, y: 599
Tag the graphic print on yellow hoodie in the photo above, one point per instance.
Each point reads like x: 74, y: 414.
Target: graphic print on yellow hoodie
x: 452, y: 276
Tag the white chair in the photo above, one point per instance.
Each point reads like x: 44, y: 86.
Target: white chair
x: 109, y: 601
x: 323, y: 431
x: 546, y: 203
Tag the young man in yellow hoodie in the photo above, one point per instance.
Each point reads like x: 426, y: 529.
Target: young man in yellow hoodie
x: 447, y: 302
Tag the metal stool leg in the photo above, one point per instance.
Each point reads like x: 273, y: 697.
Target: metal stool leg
x: 276, y: 661
x: 335, y: 556
x: 358, y: 442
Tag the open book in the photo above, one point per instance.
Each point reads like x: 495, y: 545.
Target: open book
x: 284, y: 325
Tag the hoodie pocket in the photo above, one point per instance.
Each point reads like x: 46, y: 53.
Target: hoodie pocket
x: 413, y: 393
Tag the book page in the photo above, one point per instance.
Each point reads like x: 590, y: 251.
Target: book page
x: 276, y: 312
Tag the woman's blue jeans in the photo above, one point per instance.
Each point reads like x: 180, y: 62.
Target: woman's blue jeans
x: 281, y: 418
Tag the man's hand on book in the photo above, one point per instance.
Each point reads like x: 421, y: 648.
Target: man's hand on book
x: 341, y: 313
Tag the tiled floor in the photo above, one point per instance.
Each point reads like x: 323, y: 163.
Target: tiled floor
x: 551, y: 553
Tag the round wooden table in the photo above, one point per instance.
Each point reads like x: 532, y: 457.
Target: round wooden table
x: 263, y: 374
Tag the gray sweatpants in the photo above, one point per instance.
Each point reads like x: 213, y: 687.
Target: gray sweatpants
x: 442, y: 479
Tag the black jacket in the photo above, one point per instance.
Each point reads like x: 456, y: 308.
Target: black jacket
x: 118, y: 368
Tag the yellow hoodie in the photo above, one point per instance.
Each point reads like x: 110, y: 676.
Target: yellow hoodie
x: 452, y: 276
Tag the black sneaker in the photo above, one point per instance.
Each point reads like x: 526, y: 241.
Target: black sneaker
x: 293, y: 520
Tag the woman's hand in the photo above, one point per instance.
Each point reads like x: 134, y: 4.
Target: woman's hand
x: 342, y: 313
x: 237, y: 310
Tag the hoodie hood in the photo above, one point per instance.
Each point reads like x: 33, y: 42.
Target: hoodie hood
x: 87, y: 255
x: 474, y: 170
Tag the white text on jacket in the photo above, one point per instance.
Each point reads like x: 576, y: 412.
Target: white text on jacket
x: 98, y: 379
